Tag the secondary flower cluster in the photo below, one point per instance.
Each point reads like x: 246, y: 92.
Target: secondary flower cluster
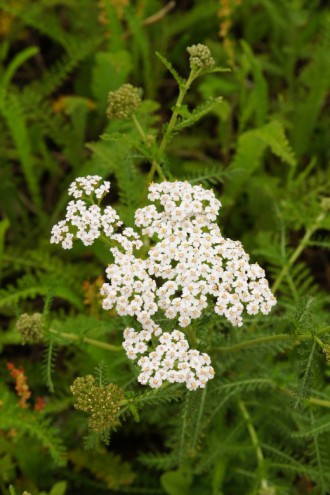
x: 188, y: 267
x: 200, y: 57
x: 83, y: 221
x: 171, y: 361
x: 101, y: 402
x: 30, y: 327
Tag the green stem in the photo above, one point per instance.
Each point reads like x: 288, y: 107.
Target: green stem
x: 295, y: 255
x: 139, y: 128
x: 183, y: 90
x: 318, y: 402
x: 191, y: 334
x: 106, y: 241
x: 86, y: 340
x: 310, y: 400
x: 255, y: 442
x: 252, y: 432
x: 270, y: 338
x: 155, y: 167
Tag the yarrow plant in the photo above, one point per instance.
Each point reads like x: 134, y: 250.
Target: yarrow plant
x: 188, y: 267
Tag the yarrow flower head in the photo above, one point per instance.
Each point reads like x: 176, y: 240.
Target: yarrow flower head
x: 30, y: 328
x: 171, y: 361
x: 200, y: 57
x: 84, y: 219
x: 101, y: 402
x: 189, y: 267
x: 123, y: 102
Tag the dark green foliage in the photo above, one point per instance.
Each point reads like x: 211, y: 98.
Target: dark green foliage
x: 258, y: 135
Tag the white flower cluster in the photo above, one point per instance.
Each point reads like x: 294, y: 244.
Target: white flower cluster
x: 88, y: 185
x: 171, y: 360
x: 82, y: 221
x: 188, y: 266
x: 196, y: 263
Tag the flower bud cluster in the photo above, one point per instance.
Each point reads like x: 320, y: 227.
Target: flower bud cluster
x: 101, y: 402
x: 326, y: 351
x: 171, y: 361
x: 83, y: 221
x: 123, y: 102
x: 200, y: 57
x: 30, y: 328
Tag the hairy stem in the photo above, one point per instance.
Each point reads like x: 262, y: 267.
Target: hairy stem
x: 169, y: 130
x: 252, y: 432
x: 270, y: 338
x: 255, y: 442
x: 155, y: 167
x: 139, y: 128
x: 86, y: 340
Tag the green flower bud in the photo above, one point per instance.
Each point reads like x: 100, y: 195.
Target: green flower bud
x: 101, y: 402
x: 200, y: 57
x: 30, y: 327
x: 326, y: 352
x: 123, y: 102
x: 325, y: 204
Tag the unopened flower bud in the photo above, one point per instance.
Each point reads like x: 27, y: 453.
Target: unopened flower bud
x: 326, y: 352
x: 101, y: 402
x: 325, y: 204
x: 30, y: 327
x: 200, y: 57
x: 123, y: 102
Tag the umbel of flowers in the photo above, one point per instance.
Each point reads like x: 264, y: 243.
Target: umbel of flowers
x: 101, y: 402
x: 188, y: 267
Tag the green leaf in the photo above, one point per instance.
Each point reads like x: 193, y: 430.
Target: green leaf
x: 59, y: 488
x: 17, y: 61
x: 181, y: 82
x: 12, y: 111
x: 199, y: 112
x: 273, y: 135
x: 250, y: 149
x: 176, y: 482
x: 217, y: 69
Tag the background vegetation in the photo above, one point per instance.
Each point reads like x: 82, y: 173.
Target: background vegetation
x: 263, y: 424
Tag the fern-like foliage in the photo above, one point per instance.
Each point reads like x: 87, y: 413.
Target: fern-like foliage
x: 36, y: 427
x: 49, y: 361
x: 250, y: 148
x: 190, y: 118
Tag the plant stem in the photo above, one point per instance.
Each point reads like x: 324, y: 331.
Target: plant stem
x: 155, y: 164
x: 183, y: 90
x: 255, y: 442
x: 86, y: 340
x: 303, y: 243
x: 252, y: 432
x: 139, y: 128
x: 191, y: 334
x: 155, y: 167
x: 270, y: 338
x: 310, y: 400
x: 319, y: 402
